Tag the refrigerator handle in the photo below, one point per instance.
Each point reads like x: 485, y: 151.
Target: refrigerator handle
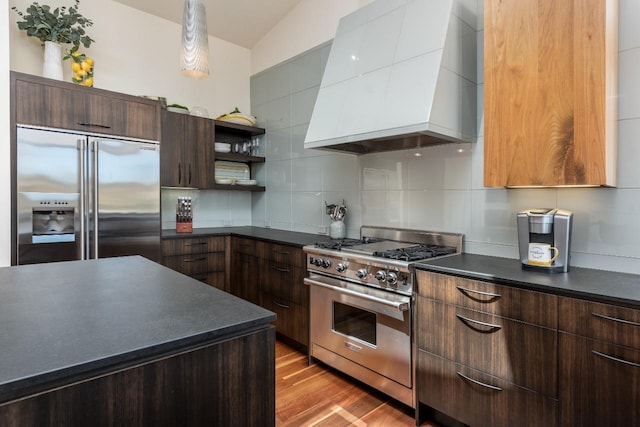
x: 96, y: 195
x: 82, y: 148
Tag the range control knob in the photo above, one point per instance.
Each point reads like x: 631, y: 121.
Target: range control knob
x: 381, y: 275
x: 341, y: 267
x: 392, y: 278
x: 317, y: 262
x: 326, y: 263
x: 362, y: 273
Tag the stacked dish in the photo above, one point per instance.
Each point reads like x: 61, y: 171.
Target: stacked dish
x: 247, y: 182
x: 222, y: 147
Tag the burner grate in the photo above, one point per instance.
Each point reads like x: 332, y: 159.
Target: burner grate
x: 416, y: 253
x: 345, y: 243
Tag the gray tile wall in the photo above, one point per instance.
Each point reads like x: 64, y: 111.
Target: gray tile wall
x: 441, y: 188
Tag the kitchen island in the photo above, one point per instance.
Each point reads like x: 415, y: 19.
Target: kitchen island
x: 127, y: 341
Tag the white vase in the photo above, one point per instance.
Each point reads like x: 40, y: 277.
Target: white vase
x: 336, y: 230
x: 52, y: 65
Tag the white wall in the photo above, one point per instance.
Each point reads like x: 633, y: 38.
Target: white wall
x: 309, y: 24
x: 5, y: 178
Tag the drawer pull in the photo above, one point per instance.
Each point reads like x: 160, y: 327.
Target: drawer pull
x: 282, y: 270
x: 466, y: 292
x: 201, y: 278
x: 489, y: 386
x: 194, y: 259
x: 282, y: 252
x: 280, y: 305
x: 95, y: 125
x: 470, y: 323
x: 616, y: 359
x: 195, y: 244
x: 626, y: 322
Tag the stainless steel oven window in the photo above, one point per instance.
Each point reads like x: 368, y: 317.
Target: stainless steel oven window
x: 355, y: 323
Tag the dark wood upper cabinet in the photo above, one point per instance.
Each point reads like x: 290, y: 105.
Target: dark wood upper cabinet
x: 186, y: 151
x: 51, y: 103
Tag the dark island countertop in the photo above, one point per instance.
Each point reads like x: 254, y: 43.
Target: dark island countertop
x: 596, y: 285
x: 272, y: 235
x: 67, y: 321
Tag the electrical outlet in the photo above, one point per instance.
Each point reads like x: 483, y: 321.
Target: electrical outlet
x: 322, y: 229
x: 227, y: 222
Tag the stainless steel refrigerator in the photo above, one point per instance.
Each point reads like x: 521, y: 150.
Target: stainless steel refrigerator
x: 82, y: 197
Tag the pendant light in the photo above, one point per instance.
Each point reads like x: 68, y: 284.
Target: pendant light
x: 195, y: 41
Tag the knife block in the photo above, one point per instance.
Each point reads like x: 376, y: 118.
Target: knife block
x: 184, y: 227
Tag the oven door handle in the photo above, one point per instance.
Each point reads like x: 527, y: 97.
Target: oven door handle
x: 396, y: 305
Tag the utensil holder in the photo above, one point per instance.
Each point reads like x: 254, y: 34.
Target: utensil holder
x: 184, y: 227
x: 337, y: 230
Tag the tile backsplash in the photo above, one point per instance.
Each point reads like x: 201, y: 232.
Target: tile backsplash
x: 435, y: 188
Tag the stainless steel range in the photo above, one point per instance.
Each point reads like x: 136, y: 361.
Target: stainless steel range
x: 361, y: 303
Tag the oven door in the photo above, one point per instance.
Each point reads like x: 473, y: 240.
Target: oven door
x: 370, y: 327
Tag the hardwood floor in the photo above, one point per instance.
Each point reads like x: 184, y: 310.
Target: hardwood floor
x: 320, y: 396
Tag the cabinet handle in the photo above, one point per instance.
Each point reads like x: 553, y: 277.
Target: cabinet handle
x: 194, y: 259
x: 282, y: 270
x: 94, y: 125
x: 179, y: 173
x: 280, y: 305
x: 282, y: 252
x: 489, y: 386
x: 195, y: 244
x: 201, y: 278
x: 189, y: 173
x: 466, y: 292
x: 626, y: 322
x: 491, y: 326
x: 616, y: 359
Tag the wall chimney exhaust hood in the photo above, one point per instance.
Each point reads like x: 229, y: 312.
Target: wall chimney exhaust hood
x: 401, y: 74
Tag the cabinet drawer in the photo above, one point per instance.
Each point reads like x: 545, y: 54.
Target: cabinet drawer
x: 292, y: 320
x: 617, y: 325
x: 244, y: 246
x: 282, y: 254
x: 194, y: 245
x: 489, y: 401
x: 529, y: 306
x: 517, y: 352
x: 599, y: 383
x: 285, y: 281
x: 196, y: 264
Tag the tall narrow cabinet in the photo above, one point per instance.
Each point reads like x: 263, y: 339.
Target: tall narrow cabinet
x: 550, y: 92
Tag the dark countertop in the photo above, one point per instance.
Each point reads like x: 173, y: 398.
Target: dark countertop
x: 596, y: 285
x: 67, y: 321
x: 272, y: 235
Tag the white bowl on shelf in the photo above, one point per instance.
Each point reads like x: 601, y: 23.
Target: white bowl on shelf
x: 223, y: 150
x: 247, y: 182
x: 225, y: 181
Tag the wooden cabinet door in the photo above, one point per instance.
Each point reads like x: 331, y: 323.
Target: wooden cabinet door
x: 198, y: 152
x: 45, y: 105
x: 172, y: 164
x: 245, y: 277
x: 186, y: 151
x: 480, y: 400
x: 550, y: 92
x: 102, y: 114
x: 517, y: 352
x: 599, y: 383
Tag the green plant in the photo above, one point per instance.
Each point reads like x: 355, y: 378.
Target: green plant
x: 62, y: 25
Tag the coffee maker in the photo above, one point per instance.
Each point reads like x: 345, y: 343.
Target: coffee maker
x: 545, y: 226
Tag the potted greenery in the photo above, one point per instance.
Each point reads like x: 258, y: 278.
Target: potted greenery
x: 52, y: 27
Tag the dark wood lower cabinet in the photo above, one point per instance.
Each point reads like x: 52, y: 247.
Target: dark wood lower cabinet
x: 481, y: 400
x: 292, y: 320
x: 599, y: 383
x: 230, y: 383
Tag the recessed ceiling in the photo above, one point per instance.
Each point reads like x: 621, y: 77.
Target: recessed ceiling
x: 241, y: 22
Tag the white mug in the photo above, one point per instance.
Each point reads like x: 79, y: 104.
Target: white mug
x: 540, y: 254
